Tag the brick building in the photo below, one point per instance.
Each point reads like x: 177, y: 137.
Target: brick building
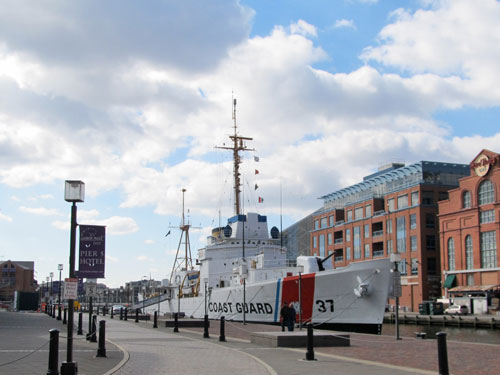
x: 469, y: 224
x: 16, y: 276
x: 391, y: 211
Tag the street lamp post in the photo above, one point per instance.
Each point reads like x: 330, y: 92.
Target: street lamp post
x: 74, y: 191
x: 60, y: 268
x: 51, y: 286
x: 48, y: 290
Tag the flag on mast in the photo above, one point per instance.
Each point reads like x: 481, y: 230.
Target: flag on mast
x: 256, y: 158
x: 256, y: 186
x: 256, y: 171
x: 261, y: 200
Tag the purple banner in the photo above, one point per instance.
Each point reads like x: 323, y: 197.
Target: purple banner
x: 92, y: 251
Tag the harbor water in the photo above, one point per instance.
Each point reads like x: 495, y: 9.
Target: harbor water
x: 479, y: 335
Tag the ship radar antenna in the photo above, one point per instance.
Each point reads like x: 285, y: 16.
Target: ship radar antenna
x: 238, y: 145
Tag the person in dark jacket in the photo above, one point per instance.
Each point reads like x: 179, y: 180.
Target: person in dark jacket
x: 284, y: 315
x: 291, y: 316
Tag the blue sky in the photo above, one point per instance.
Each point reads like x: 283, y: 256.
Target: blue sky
x: 132, y: 98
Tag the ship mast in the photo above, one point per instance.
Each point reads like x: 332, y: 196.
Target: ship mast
x: 187, y: 260
x: 238, y: 145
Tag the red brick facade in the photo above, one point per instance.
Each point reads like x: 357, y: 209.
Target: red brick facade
x: 469, y: 224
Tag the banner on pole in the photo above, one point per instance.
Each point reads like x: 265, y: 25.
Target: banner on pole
x: 92, y: 251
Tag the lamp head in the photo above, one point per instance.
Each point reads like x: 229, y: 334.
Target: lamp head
x: 74, y: 191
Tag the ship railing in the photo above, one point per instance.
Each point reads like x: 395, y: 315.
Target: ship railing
x: 280, y: 263
x: 151, y: 301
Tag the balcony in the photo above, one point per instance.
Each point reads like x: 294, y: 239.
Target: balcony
x: 378, y: 213
x: 377, y: 233
x: 339, y: 240
x: 378, y: 253
x: 339, y: 258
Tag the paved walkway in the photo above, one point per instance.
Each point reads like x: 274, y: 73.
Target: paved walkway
x: 140, y: 349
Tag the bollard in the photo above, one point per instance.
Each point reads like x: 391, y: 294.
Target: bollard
x: 59, y: 312
x: 205, y: 327
x: 155, y: 321
x: 126, y: 313
x: 46, y: 309
x: 97, y: 310
x: 310, y: 343
x: 176, y: 322
x: 65, y: 314
x: 101, y: 349
x: 89, y: 331
x: 54, y: 353
x: 137, y: 315
x: 121, y: 313
x: 442, y: 353
x: 80, y: 324
x: 93, y: 336
x: 222, y: 336
x: 111, y: 312
x: 54, y: 311
x: 104, y: 311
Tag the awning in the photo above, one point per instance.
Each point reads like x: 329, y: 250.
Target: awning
x: 450, y: 281
x: 474, y: 288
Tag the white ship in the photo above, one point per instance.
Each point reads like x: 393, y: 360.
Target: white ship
x: 243, y: 274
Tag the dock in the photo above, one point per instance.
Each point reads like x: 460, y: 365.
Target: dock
x: 470, y: 321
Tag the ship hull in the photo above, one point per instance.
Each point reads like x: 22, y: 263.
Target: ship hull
x: 328, y: 298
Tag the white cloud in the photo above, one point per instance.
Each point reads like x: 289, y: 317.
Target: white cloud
x: 41, y: 211
x: 303, y: 28
x: 143, y: 258
x: 5, y: 217
x: 345, y: 23
x: 115, y: 225
x: 112, y: 259
x: 149, y: 242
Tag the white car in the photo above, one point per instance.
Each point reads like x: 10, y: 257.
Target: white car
x: 457, y: 310
x: 116, y: 309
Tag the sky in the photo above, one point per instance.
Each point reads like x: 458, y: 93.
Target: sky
x: 132, y: 97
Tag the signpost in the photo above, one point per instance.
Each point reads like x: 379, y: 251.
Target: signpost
x: 70, y: 288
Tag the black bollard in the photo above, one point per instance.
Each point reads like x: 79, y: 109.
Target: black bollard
x: 54, y: 353
x: 46, y: 309
x: 59, y: 312
x: 176, y: 322
x: 54, y: 311
x: 155, y: 321
x: 310, y: 343
x: 126, y: 313
x: 97, y: 310
x: 205, y: 328
x: 65, y: 315
x: 222, y: 336
x: 442, y: 353
x: 137, y: 315
x: 121, y: 313
x: 93, y: 336
x: 90, y: 319
x: 101, y: 349
x: 80, y: 324
x: 104, y: 311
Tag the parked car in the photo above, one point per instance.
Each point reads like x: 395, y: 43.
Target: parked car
x: 116, y: 308
x: 457, y: 310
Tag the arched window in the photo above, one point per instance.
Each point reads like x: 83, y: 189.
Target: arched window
x: 469, y: 260
x: 486, y: 192
x: 466, y: 199
x: 451, y: 254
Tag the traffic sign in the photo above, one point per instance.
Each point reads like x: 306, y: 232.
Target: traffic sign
x: 70, y: 288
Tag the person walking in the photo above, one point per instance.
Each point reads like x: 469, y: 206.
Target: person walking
x: 284, y: 315
x: 291, y: 317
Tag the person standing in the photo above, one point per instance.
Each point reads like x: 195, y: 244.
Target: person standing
x: 284, y: 315
x: 291, y: 316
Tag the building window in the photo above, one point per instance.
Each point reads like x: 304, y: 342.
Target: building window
x: 414, y: 198
x: 429, y: 221
x: 349, y: 215
x: 367, y: 250
x: 427, y: 197
x: 315, y: 242
x: 469, y: 258
x: 368, y: 210
x: 389, y: 226
x: 348, y: 235
x: 413, y: 221
x: 431, y: 266
x: 330, y: 239
x: 486, y: 216
x: 402, y: 267
x: 470, y: 279
x: 414, y: 266
x: 443, y: 195
x: 331, y: 221
x: 451, y: 254
x: 485, y: 193
x: 357, y: 242
x: 348, y: 253
x: 324, y: 222
x: 390, y: 204
x: 430, y: 243
x: 390, y: 248
x: 358, y: 213
x: 402, y: 202
x: 367, y: 231
x: 316, y: 224
x: 488, y: 250
x: 321, y: 245
x: 466, y: 199
x: 413, y: 243
x: 401, y: 234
